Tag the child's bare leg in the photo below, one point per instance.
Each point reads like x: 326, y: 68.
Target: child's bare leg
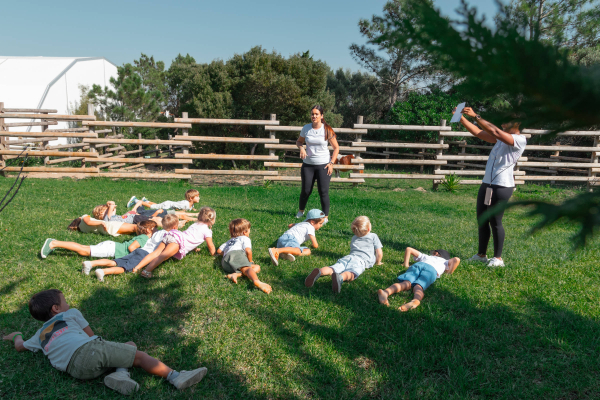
x: 113, y: 271
x: 135, y: 207
x: 159, y: 211
x: 326, y: 271
x: 147, y: 203
x: 170, y: 250
x: 103, y: 263
x: 158, y: 221
x: 295, y: 251
x: 383, y: 295
x: 348, y: 276
x: 234, y: 277
x: 418, y: 293
x: 250, y: 272
x: 76, y: 247
x: 150, y: 364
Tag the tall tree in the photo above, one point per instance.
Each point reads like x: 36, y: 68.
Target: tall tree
x: 401, y: 68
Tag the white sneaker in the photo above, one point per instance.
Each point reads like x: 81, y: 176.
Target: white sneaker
x: 300, y: 214
x: 289, y: 257
x: 495, y: 262
x: 132, y: 201
x: 477, y: 257
x: 188, y: 378
x: 325, y: 221
x: 121, y: 382
x: 100, y: 275
x: 87, y: 267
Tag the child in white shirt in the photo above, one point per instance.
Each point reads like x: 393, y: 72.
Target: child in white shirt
x: 419, y: 275
x: 237, y: 255
x: 192, y: 197
x: 289, y: 244
x: 177, y: 244
x: 71, y: 346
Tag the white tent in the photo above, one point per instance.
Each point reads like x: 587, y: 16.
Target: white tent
x: 50, y: 83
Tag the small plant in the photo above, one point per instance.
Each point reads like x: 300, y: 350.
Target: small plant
x: 451, y: 183
x: 267, y: 184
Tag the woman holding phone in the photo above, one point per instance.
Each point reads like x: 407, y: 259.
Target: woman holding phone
x: 317, y: 163
x: 498, y: 182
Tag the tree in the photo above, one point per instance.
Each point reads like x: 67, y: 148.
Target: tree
x: 401, y: 68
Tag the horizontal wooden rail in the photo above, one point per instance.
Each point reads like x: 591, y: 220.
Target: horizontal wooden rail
x: 467, y: 134
x: 402, y: 127
x: 299, y: 165
x: 213, y: 121
x: 60, y: 117
x: 394, y: 176
x: 556, y: 178
x: 139, y: 160
x: 398, y: 162
x: 299, y: 128
x: 51, y: 169
x: 469, y: 158
x: 291, y: 147
x: 225, y: 172
x: 225, y: 139
x: 469, y: 172
x: 557, y: 164
x: 28, y: 110
x: 47, y: 153
x: 66, y: 159
x: 20, y: 124
x: 50, y: 134
x: 226, y: 157
x: 561, y: 148
x: 567, y: 133
x: 136, y: 124
x: 134, y: 175
x: 21, y: 141
x: 334, y: 180
x: 476, y: 182
x: 138, y: 141
x: 401, y: 145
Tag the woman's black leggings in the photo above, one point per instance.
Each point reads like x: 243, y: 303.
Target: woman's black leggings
x: 494, y: 224
x: 311, y: 173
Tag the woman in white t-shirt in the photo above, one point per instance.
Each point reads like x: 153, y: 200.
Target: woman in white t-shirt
x: 498, y: 182
x: 317, y: 165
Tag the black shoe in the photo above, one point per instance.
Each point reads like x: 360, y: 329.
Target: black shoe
x: 336, y: 282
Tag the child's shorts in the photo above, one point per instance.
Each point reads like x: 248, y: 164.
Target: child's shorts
x: 98, y: 356
x: 350, y: 263
x: 234, y: 261
x: 104, y: 249
x: 131, y: 260
x: 287, y: 240
x: 419, y: 273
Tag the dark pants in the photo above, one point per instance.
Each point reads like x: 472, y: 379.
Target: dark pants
x: 500, y: 194
x: 311, y: 173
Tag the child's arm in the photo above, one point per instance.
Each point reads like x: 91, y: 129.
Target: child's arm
x: 378, y: 256
x: 219, y: 252
x: 112, y: 208
x: 210, y: 245
x: 133, y: 246
x: 18, y: 341
x: 88, y: 221
x: 290, y: 225
x: 313, y: 241
x: 409, y: 252
x: 88, y: 331
x: 248, y: 251
x: 146, y: 260
x: 453, y: 264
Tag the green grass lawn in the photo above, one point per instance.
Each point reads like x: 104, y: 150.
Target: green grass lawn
x: 530, y: 330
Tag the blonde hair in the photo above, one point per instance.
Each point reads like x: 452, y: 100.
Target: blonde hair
x: 190, y: 194
x: 170, y: 221
x: 100, y: 211
x: 207, y: 215
x: 237, y: 227
x: 145, y: 226
x: 361, y: 226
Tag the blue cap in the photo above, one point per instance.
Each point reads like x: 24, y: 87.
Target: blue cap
x: 314, y: 214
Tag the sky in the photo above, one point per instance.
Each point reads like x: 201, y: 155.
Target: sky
x: 121, y: 30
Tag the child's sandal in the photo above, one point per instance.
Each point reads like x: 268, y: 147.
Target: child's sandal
x: 146, y: 274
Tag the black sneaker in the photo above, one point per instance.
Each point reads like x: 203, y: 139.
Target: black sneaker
x: 312, y: 278
x: 336, y: 282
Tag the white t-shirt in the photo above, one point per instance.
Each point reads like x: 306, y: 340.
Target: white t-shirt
x: 301, y: 231
x: 438, y: 263
x: 502, y: 160
x: 236, y: 243
x: 154, y: 241
x: 59, y: 337
x: 194, y: 236
x: 316, y: 145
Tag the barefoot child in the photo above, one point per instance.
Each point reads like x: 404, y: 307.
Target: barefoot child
x: 237, y: 255
x: 365, y: 251
x: 288, y: 245
x: 192, y: 197
x: 177, y: 244
x: 419, y: 275
x: 107, y: 212
x: 135, y: 260
x: 87, y: 224
x: 106, y: 249
x: 68, y: 341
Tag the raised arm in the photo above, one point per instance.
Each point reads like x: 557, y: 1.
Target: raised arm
x: 112, y: 209
x: 409, y: 252
x: 490, y: 129
x: 474, y: 130
x: 18, y: 340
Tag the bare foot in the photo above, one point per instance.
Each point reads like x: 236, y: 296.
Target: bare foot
x: 409, y: 306
x: 233, y: 277
x: 182, y: 223
x: 263, y: 286
x: 382, y: 295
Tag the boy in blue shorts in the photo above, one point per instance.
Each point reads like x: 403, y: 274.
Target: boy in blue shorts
x: 365, y: 251
x: 289, y: 244
x: 419, y: 275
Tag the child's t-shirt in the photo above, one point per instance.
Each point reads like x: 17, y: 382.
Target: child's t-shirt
x: 438, y: 263
x: 59, y: 337
x: 179, y: 205
x: 191, y: 238
x: 121, y: 249
x: 236, y: 243
x: 113, y: 227
x: 128, y: 218
x: 365, y: 246
x: 301, y: 231
x: 154, y: 241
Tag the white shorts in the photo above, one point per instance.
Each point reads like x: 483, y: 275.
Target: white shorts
x: 165, y: 205
x: 103, y: 250
x: 350, y: 263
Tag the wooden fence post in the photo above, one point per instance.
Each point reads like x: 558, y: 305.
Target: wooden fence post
x: 92, y: 145
x: 272, y: 136
x: 45, y: 143
x: 358, y: 139
x: 439, y: 152
x: 591, y: 181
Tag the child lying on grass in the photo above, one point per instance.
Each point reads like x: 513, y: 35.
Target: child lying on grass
x: 289, y: 244
x: 365, y: 251
x: 419, y: 275
x: 177, y: 244
x: 68, y: 341
x: 192, y: 197
x: 237, y: 255
x: 87, y: 224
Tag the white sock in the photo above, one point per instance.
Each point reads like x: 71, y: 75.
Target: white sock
x: 122, y: 370
x: 172, y: 375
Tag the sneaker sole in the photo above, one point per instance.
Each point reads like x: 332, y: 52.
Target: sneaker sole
x: 312, y: 278
x: 192, y: 380
x: 130, y: 203
x: 273, y: 259
x: 123, y: 386
x: 85, y: 270
x: 288, y: 257
x: 44, y: 246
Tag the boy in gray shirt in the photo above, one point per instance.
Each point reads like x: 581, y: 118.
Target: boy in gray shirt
x: 365, y: 251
